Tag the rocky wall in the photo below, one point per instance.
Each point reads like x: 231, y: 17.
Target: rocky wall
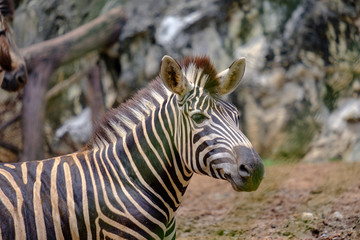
x: 302, y: 64
x: 300, y: 93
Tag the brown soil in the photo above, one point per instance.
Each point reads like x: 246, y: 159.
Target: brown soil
x: 302, y: 201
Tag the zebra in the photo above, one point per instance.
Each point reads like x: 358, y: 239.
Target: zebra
x: 131, y: 177
x: 13, y: 71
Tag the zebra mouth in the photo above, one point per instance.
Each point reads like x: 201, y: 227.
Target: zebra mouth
x: 243, y: 184
x: 239, y: 187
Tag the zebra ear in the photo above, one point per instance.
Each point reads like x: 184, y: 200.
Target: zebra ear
x: 172, y: 76
x: 231, y: 77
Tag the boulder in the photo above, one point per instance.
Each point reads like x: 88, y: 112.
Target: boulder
x: 340, y: 136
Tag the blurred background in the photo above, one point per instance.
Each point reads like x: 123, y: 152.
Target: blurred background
x: 299, y: 99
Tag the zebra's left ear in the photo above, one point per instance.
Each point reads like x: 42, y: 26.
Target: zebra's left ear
x: 172, y: 76
x: 231, y: 77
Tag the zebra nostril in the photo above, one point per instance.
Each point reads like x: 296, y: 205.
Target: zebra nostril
x: 244, y: 171
x: 20, y: 79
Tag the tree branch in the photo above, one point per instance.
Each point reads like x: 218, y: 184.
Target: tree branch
x: 99, y: 33
x: 43, y: 58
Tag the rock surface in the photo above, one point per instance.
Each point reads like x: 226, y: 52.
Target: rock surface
x: 340, y: 136
x: 302, y: 62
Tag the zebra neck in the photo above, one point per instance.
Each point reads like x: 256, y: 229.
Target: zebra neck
x: 146, y: 163
x: 155, y: 160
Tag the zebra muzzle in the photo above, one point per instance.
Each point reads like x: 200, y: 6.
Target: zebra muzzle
x: 248, y: 172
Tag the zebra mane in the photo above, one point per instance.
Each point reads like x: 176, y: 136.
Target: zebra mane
x: 202, y: 69
x: 121, y: 120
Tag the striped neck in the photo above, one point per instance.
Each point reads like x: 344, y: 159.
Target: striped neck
x: 123, y: 120
x: 146, y: 158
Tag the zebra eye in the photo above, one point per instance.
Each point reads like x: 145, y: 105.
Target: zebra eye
x: 198, y: 118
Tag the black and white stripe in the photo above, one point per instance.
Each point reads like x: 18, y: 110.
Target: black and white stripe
x: 130, y: 180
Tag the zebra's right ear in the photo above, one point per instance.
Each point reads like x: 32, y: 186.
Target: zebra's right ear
x: 230, y: 78
x: 172, y: 76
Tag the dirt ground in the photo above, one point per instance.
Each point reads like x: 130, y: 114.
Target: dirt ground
x: 298, y: 201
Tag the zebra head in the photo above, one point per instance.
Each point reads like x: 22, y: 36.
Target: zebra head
x: 207, y: 134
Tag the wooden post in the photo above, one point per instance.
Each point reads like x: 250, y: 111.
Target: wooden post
x: 43, y: 58
x: 34, y: 111
x: 95, y: 94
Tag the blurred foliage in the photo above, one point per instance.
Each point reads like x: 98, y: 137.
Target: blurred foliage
x: 300, y: 131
